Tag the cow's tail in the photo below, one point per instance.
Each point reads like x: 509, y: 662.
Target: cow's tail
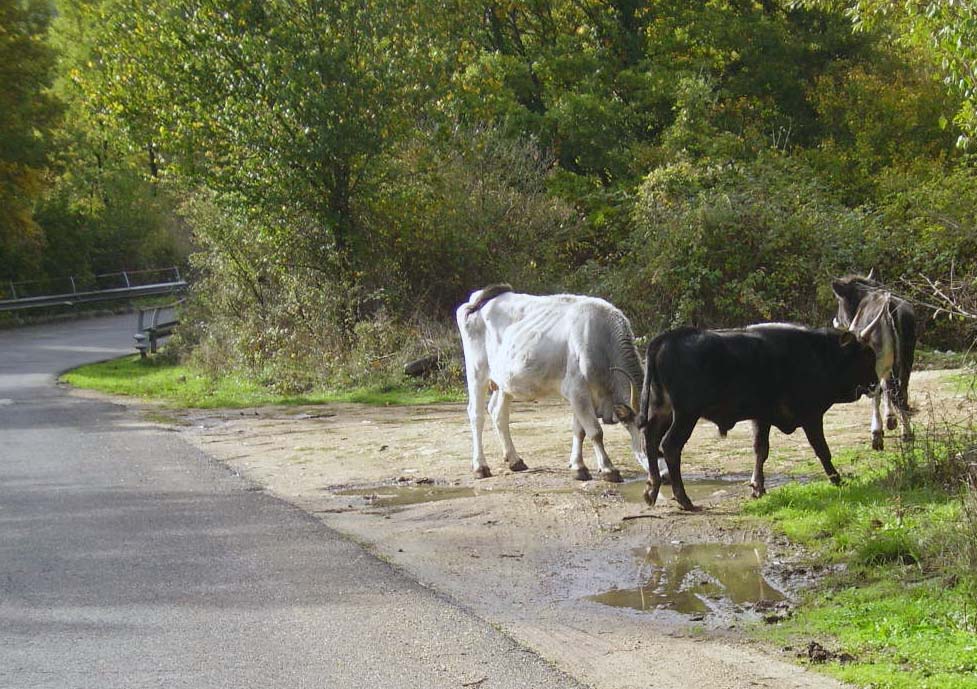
x: 651, y: 389
x: 485, y: 296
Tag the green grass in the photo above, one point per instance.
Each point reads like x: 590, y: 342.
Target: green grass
x: 926, y: 358
x: 900, y: 604
x: 179, y: 386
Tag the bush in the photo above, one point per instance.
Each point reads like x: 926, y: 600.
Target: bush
x: 727, y: 244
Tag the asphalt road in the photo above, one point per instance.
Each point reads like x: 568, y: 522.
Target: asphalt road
x: 128, y: 559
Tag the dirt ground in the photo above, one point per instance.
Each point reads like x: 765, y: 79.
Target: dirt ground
x: 527, y: 551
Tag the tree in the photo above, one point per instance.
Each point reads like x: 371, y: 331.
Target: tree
x: 28, y: 113
x: 944, y: 30
x: 281, y: 104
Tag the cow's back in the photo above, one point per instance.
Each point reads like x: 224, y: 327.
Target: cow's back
x: 776, y: 371
x: 532, y: 341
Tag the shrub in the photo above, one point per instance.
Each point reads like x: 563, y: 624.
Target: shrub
x: 727, y: 244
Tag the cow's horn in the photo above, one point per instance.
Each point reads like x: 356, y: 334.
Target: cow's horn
x: 867, y: 330
x: 635, y: 399
x: 871, y: 274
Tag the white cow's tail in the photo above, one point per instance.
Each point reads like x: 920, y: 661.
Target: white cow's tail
x: 487, y: 295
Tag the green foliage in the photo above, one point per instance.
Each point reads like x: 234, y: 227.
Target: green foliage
x: 725, y: 244
x: 467, y: 209
x: 341, y: 165
x: 945, y: 31
x: 28, y: 113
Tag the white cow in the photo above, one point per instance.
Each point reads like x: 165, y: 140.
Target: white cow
x: 522, y: 347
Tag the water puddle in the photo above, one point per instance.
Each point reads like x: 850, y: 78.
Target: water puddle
x: 400, y: 496
x: 698, y: 487
x: 705, y: 487
x: 691, y: 579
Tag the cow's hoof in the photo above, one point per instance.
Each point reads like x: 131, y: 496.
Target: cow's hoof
x: 582, y: 474
x: 758, y: 491
x: 835, y: 479
x: 612, y: 476
x: 877, y: 442
x: 518, y: 466
x: 651, y: 495
x: 687, y: 505
x: 483, y: 472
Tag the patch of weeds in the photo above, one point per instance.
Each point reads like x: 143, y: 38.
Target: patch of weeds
x: 178, y: 385
x: 904, y: 530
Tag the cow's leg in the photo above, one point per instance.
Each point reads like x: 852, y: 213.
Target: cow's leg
x: 672, y: 444
x: 477, y: 394
x: 878, y: 443
x: 654, y: 431
x: 889, y: 394
x: 761, y: 449
x: 814, y: 430
x: 642, y: 455
x: 898, y: 390
x: 499, y: 409
x: 576, y: 451
x: 583, y: 411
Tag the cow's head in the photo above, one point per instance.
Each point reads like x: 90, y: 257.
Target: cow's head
x: 850, y: 291
x: 858, y: 367
x: 869, y: 317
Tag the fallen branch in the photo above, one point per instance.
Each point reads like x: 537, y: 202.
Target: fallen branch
x: 628, y: 517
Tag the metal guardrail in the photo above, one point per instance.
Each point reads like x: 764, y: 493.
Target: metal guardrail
x: 155, y: 323
x: 125, y: 285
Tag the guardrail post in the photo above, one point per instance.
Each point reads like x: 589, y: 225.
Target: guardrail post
x: 13, y: 290
x: 126, y: 276
x: 74, y: 290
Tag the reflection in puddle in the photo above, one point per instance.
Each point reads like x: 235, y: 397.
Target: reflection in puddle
x: 702, y: 487
x: 701, y: 578
x: 697, y: 487
x: 397, y: 496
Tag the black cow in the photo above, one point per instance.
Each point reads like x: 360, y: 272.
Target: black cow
x: 860, y: 300
x: 775, y: 374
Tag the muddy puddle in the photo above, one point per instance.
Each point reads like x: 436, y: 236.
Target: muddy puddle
x: 403, y: 496
x: 698, y: 488
x: 697, y: 579
x: 701, y: 488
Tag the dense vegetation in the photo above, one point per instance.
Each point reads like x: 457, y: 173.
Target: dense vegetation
x: 345, y: 173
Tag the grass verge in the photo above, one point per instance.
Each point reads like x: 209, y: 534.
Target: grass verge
x: 176, y: 385
x: 903, y: 599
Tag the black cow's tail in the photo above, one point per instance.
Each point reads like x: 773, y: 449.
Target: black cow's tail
x: 651, y: 389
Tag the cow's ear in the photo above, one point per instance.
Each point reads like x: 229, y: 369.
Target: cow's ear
x: 624, y: 413
x: 848, y: 338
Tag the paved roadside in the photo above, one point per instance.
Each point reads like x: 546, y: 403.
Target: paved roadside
x: 129, y: 559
